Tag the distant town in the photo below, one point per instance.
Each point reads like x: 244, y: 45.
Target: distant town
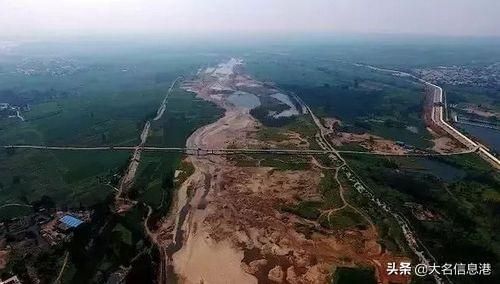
x: 477, y: 76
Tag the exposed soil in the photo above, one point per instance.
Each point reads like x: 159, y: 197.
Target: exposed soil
x: 292, y: 140
x: 370, y: 142
x: 3, y: 258
x: 226, y: 223
x: 332, y: 123
x: 480, y: 111
x: 444, y: 144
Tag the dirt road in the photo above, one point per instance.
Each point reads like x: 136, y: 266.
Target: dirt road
x: 226, y: 223
x: 122, y: 203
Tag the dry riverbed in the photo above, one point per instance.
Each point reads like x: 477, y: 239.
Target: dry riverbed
x: 227, y: 224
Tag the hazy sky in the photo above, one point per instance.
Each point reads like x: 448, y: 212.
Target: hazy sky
x: 63, y: 17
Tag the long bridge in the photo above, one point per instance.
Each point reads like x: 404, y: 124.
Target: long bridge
x: 188, y: 151
x: 226, y: 151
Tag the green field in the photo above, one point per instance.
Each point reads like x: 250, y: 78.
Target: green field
x: 105, y: 102
x: 69, y: 178
x: 185, y: 113
x: 363, y: 99
x: 462, y: 192
x: 101, y: 93
x: 154, y: 182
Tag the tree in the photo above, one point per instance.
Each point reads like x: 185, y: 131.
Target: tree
x: 44, y: 202
x: 104, y: 138
x: 16, y: 179
x: 24, y: 199
x: 10, y: 151
x: 168, y: 182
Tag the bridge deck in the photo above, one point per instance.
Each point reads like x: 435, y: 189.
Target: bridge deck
x: 223, y: 151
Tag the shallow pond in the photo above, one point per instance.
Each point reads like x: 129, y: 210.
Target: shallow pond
x: 286, y: 100
x: 442, y: 170
x: 244, y: 100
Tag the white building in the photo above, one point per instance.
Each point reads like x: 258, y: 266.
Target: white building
x: 4, y: 106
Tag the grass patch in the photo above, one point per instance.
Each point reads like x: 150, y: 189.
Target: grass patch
x: 271, y: 134
x: 10, y: 212
x: 187, y: 169
x: 305, y: 127
x: 278, y: 162
x: 330, y: 190
x: 124, y: 233
x: 154, y: 180
x: 184, y: 114
x: 352, y: 147
x: 343, y: 219
x: 305, y: 209
x: 68, y: 178
x: 467, y: 204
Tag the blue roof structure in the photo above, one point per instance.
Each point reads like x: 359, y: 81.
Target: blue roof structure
x: 71, y: 221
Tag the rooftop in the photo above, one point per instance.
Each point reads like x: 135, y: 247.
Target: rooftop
x: 70, y: 221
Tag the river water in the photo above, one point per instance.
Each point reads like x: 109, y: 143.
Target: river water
x: 286, y: 100
x: 244, y: 100
x: 487, y: 136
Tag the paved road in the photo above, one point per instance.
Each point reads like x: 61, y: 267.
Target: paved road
x: 188, y: 151
x: 15, y: 205
x: 438, y: 113
x: 416, y: 245
x: 163, y: 105
x: 437, y: 118
x: 228, y: 151
x: 408, y: 154
x: 63, y: 267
